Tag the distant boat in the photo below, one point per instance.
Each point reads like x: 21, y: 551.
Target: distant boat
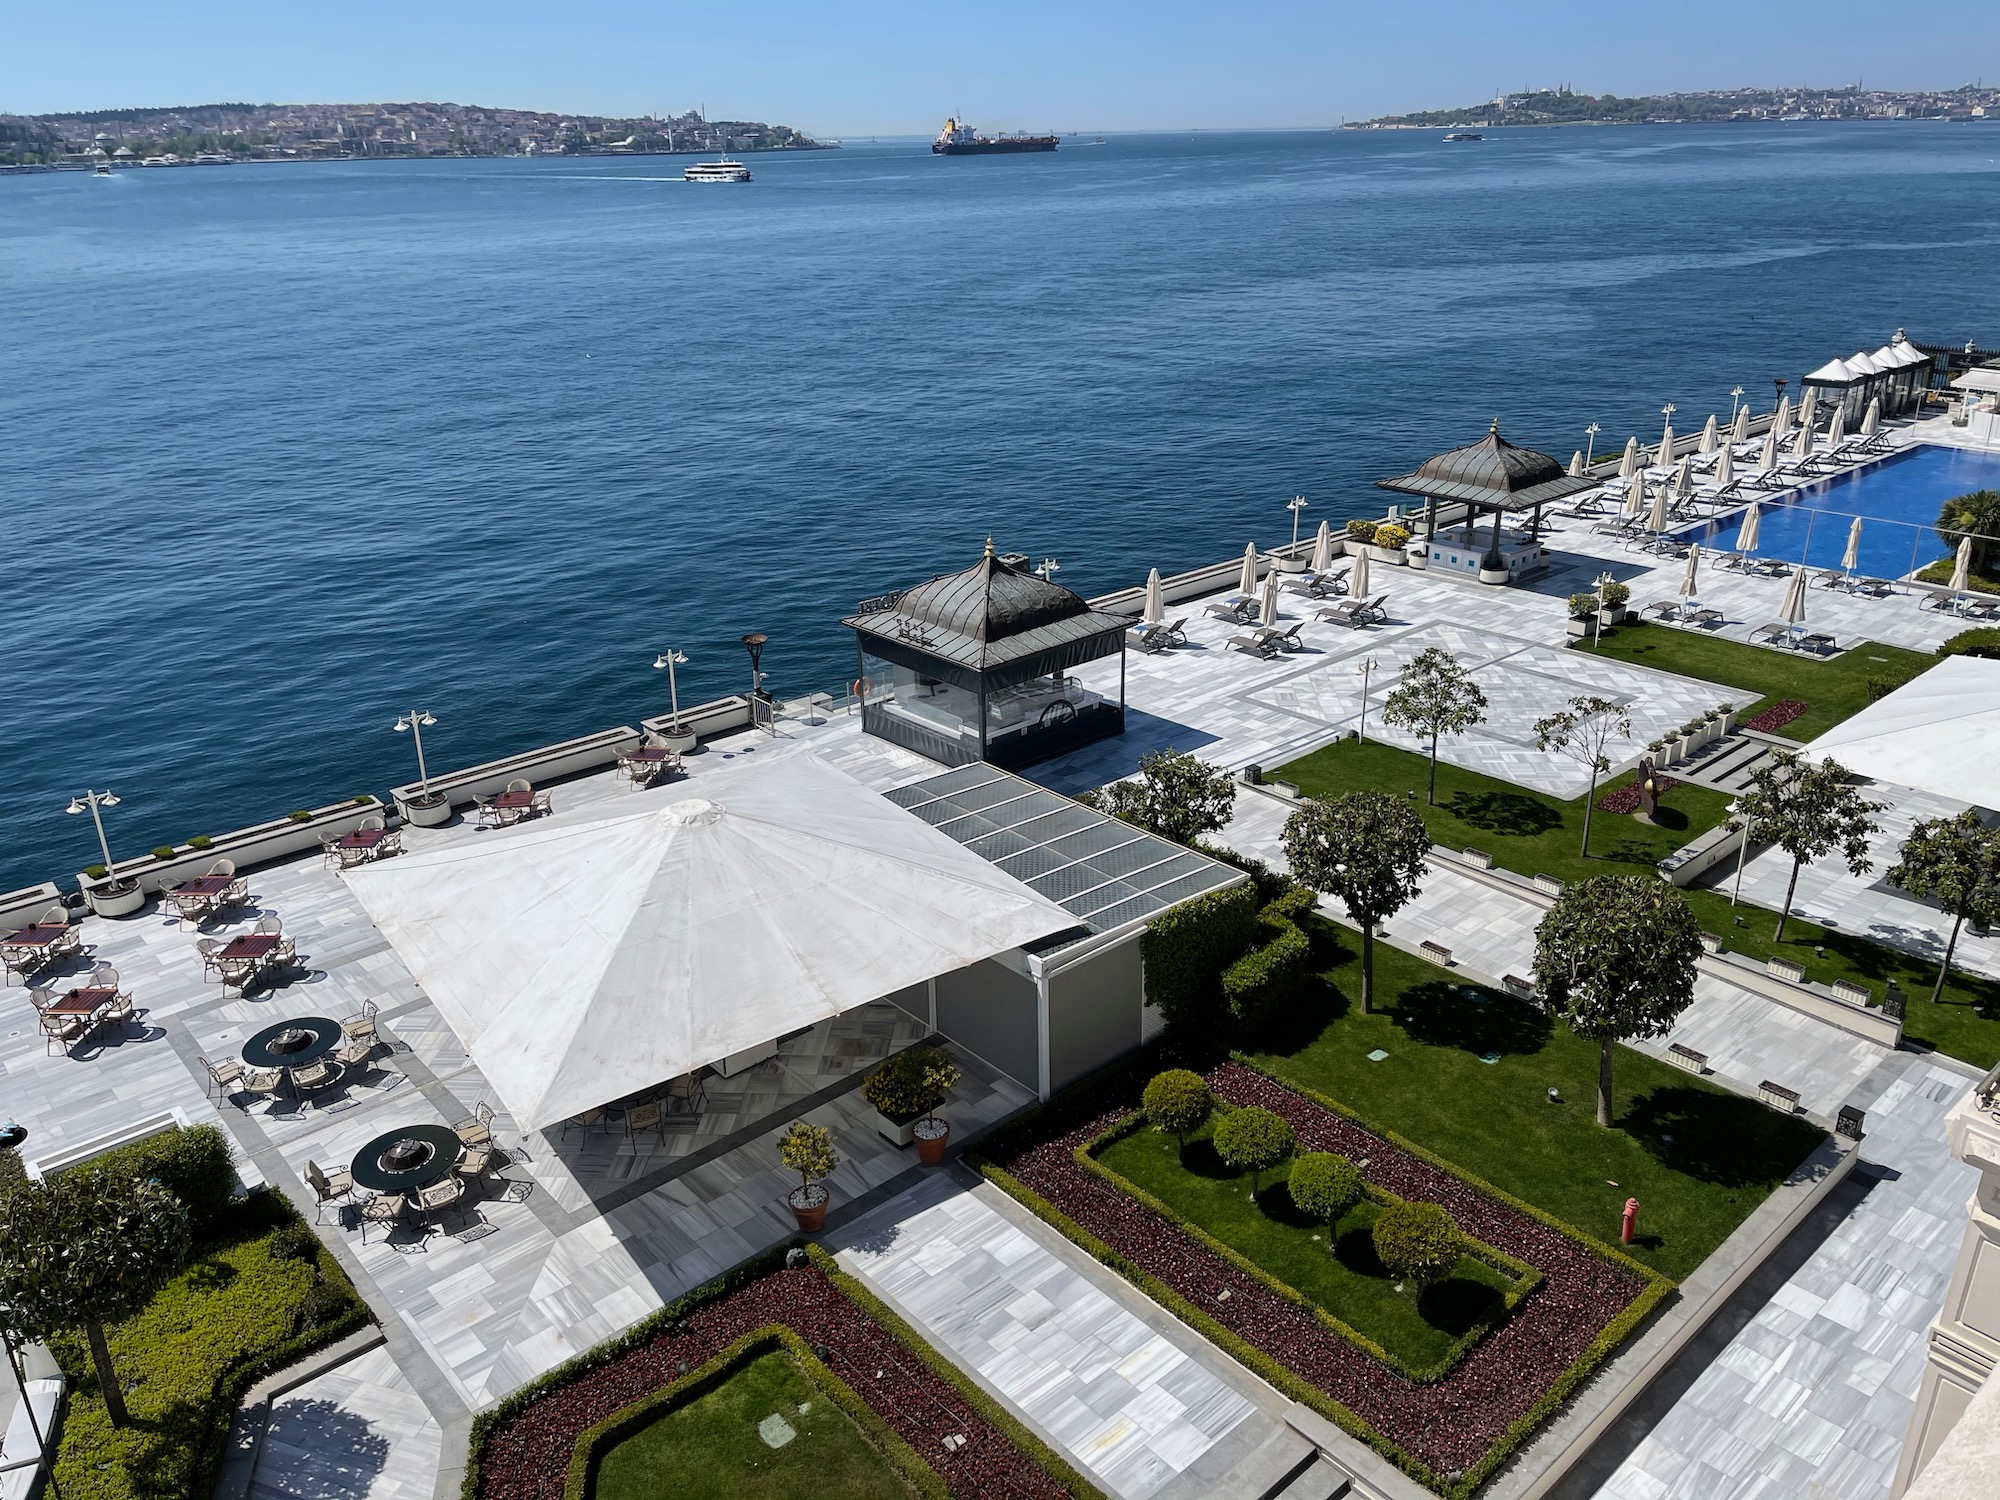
x: 213, y: 159
x: 721, y: 170
x: 1464, y: 135
x: 102, y: 169
x: 958, y: 139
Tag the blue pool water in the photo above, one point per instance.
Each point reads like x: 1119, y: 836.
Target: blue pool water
x: 1897, y: 499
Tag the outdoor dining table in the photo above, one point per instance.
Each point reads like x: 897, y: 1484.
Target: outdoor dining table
x: 406, y: 1158
x: 515, y: 801
x: 84, y: 1001
x: 293, y: 1043
x: 36, y: 936
x: 204, y: 887
x: 254, y: 947
x: 363, y: 838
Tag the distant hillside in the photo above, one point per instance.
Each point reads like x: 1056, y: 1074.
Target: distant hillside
x: 1564, y: 106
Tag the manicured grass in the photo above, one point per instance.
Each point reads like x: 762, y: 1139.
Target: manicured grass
x: 1697, y: 1158
x: 234, y: 1306
x: 1965, y: 1023
x: 712, y: 1446
x: 1528, y: 832
x: 1833, y: 689
x: 1340, y: 1272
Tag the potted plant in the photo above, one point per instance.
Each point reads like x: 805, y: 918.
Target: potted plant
x: 1360, y: 533
x: 808, y: 1151
x: 1388, y: 542
x: 1657, y: 749
x: 1728, y: 713
x: 1417, y: 552
x: 1615, y: 597
x: 936, y: 1075
x: 1581, y: 609
x: 896, y: 1089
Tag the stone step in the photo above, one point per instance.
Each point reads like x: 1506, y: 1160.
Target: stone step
x: 1321, y: 1480
x: 1268, y: 1469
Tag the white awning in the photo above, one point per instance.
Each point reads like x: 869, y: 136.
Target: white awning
x: 1833, y: 372
x: 1939, y: 733
x: 1978, y: 380
x: 586, y: 956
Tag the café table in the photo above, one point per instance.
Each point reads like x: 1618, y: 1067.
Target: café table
x: 648, y: 761
x: 360, y: 845
x: 259, y: 950
x: 86, y: 1000
x: 201, y: 895
x: 38, y: 941
x: 407, y: 1158
x: 509, y: 807
x: 293, y: 1043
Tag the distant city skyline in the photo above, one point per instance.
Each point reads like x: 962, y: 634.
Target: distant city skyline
x: 899, y: 68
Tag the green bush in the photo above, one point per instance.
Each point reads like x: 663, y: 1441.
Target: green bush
x: 1984, y: 641
x: 195, y: 1163
x: 1391, y: 536
x: 295, y: 1242
x: 1186, y: 949
x: 1257, y: 986
x: 1616, y: 593
x: 201, y: 841
x: 299, y: 815
x: 12, y: 1173
x: 164, y: 851
x: 1417, y: 1242
x: 1582, y: 606
x: 1878, y: 687
x: 1361, y: 530
x: 1271, y: 883
x: 1253, y: 1140
x: 1325, y: 1186
x: 1178, y: 1101
x: 96, y: 872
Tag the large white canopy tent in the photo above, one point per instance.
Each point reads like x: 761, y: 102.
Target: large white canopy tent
x: 583, y: 957
x: 1939, y: 733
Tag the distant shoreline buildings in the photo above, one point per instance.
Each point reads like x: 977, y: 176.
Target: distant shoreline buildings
x: 308, y: 132
x: 1562, y: 105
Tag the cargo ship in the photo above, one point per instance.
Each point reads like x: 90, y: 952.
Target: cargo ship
x: 957, y: 139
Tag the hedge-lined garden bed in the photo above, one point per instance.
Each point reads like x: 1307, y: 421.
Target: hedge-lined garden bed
x: 525, y: 1448
x: 1450, y: 1433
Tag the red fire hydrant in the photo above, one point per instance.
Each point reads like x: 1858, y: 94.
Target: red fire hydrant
x: 1631, y: 1221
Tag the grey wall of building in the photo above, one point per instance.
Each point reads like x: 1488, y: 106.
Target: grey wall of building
x: 1094, y: 1009
x: 991, y: 1012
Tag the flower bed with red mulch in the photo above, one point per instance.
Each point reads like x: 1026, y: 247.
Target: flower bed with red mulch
x: 1777, y: 716
x: 1625, y: 799
x: 1450, y: 1433
x: 522, y: 1450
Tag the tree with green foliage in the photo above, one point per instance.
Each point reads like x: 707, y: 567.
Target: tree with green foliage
x: 1435, y: 696
x: 1976, y: 515
x: 1956, y: 863
x: 807, y: 1149
x: 1417, y: 1243
x: 86, y: 1248
x: 1616, y: 958
x: 1178, y: 1101
x: 1368, y: 849
x: 1187, y: 948
x: 1253, y: 1140
x: 1176, y: 795
x: 1581, y: 731
x: 1809, y: 809
x: 1324, y: 1186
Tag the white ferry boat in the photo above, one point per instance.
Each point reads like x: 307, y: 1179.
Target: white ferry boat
x: 722, y: 170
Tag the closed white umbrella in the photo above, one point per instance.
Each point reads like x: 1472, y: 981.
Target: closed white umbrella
x: 1323, y: 548
x: 1961, y: 571
x: 1634, y: 498
x: 1793, y: 610
x: 1154, y: 608
x: 1684, y: 477
x: 1851, y: 558
x: 1809, y: 409
x: 1357, y: 581
x: 1666, y: 454
x: 1708, y: 434
x: 1629, y: 464
x: 1782, y: 423
x: 1246, y: 583
x: 1725, y: 467
x: 1656, y: 518
x: 1267, y: 606
x: 1740, y: 432
x: 1838, y: 429
x: 1872, y: 418
x: 1746, y: 537
x: 1803, y: 443
x: 1576, y: 464
x: 1689, y: 588
x: 1768, y: 459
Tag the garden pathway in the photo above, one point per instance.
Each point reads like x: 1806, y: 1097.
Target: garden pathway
x: 358, y: 1432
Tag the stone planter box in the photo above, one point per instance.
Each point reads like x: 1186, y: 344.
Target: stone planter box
x: 431, y: 811
x: 1710, y: 943
x: 1479, y: 859
x: 897, y: 1130
x: 1785, y: 969
x: 117, y: 900
x: 259, y: 844
x: 1283, y: 564
x: 704, y: 719
x: 1395, y: 557
x: 1579, y: 629
x: 1728, y: 721
x: 20, y: 908
x: 1548, y: 885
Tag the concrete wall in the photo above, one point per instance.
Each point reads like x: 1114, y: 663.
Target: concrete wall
x: 259, y: 844
x: 1094, y: 1011
x: 591, y: 753
x: 990, y: 1011
x: 20, y: 908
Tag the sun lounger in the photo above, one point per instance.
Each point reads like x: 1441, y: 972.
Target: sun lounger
x: 1152, y: 638
x: 1769, y: 567
x: 1873, y: 588
x: 1235, y: 611
x: 1370, y: 612
x: 1815, y: 641
x: 1727, y: 561
x: 1702, y: 619
x: 1285, y: 640
x: 1664, y: 609
x: 1771, y: 634
x: 1830, y: 578
x: 1256, y: 645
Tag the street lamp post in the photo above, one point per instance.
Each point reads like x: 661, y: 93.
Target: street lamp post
x: 1742, y: 852
x: 1597, y: 621
x: 90, y: 802
x: 1296, y: 504
x: 1047, y: 569
x: 415, y: 721
x: 1779, y: 382
x: 1735, y: 398
x: 671, y: 658
x: 1590, y: 449
x: 1368, y: 665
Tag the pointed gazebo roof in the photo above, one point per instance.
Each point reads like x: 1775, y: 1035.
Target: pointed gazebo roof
x: 1492, y: 473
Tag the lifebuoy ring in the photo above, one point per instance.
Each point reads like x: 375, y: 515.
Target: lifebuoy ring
x: 861, y: 687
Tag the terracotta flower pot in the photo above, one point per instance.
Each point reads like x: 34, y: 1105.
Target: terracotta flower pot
x: 931, y: 1136
x: 808, y: 1206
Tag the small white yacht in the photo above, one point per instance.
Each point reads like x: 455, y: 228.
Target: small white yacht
x: 720, y: 170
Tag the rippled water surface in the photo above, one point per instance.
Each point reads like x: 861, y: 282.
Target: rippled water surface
x: 285, y: 449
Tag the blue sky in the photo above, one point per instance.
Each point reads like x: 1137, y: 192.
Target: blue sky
x: 841, y: 69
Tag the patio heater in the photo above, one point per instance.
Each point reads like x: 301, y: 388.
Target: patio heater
x: 416, y: 721
x: 1296, y: 504
x: 90, y: 802
x: 754, y: 643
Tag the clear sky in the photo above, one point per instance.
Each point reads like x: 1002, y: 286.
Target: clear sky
x: 890, y: 67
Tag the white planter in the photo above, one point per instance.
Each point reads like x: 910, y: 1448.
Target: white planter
x: 119, y: 900
x: 894, y: 1132
x: 1417, y: 555
x: 1728, y: 722
x: 679, y: 741
x: 426, y: 812
x: 1578, y: 629
x: 1290, y: 564
x: 1394, y: 556
x: 1494, y: 575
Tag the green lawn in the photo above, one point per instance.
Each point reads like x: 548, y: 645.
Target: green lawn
x: 1832, y: 690
x: 1339, y: 1272
x: 1696, y: 1157
x: 1528, y: 832
x: 712, y: 1446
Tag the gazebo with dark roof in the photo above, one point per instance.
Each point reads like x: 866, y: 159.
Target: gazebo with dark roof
x: 974, y: 665
x: 1489, y: 475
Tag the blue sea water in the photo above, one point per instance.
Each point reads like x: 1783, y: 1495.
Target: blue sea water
x: 1897, y: 500
x: 287, y: 449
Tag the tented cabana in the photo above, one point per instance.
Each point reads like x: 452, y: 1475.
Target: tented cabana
x: 1490, y: 476
x: 584, y: 957
x: 1939, y: 733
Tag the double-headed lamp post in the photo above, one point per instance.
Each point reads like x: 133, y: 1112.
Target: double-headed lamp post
x: 90, y: 802
x: 1296, y: 504
x: 1047, y: 569
x: 1735, y: 398
x: 415, y: 721
x: 1597, y: 620
x: 671, y: 658
x: 1367, y: 667
x: 1590, y: 449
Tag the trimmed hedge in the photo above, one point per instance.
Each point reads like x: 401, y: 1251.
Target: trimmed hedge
x: 594, y: 1442
x: 195, y: 1163
x: 1258, y: 984
x: 1188, y: 946
x: 1982, y: 641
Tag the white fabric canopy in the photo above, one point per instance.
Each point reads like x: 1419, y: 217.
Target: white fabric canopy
x: 1978, y: 380
x: 583, y: 957
x: 1939, y: 733
x: 1834, y: 372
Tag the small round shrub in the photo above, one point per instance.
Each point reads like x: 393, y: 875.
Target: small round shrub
x: 1178, y: 1101
x: 1361, y: 530
x: 1391, y: 536
x: 1582, y: 606
x: 201, y: 841
x: 1616, y: 594
x: 294, y: 1242
x: 1324, y: 1185
x: 1984, y: 641
x: 164, y: 851
x: 1417, y: 1242
x: 1253, y: 1140
x: 324, y: 1303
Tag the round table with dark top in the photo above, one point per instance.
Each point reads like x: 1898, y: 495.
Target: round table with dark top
x: 292, y: 1044
x: 407, y: 1158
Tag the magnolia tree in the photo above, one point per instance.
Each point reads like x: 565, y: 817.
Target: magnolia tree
x: 1810, y: 811
x: 1368, y: 849
x: 1581, y: 731
x: 84, y: 1249
x: 1436, y: 696
x: 1176, y: 795
x: 1615, y: 958
x: 1956, y: 863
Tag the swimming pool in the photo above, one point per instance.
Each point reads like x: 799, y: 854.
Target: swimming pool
x: 1897, y: 499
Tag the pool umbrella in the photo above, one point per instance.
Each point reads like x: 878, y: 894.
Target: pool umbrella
x: 1246, y: 585
x: 1803, y: 443
x: 1267, y: 606
x: 1656, y: 518
x: 1323, y: 548
x: 1961, y: 570
x: 1809, y: 409
x: 1708, y: 434
x: 1629, y: 464
x: 1746, y: 538
x: 1154, y: 608
x: 1768, y: 459
x: 1689, y: 588
x: 1740, y: 432
x: 1793, y: 610
x: 1576, y: 464
x: 1838, y: 428
x: 1666, y: 454
x: 1872, y: 418
x: 1357, y: 581
x: 1851, y: 558
x: 1634, y: 498
x: 1684, y: 478
x: 1725, y: 468
x: 1782, y: 422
